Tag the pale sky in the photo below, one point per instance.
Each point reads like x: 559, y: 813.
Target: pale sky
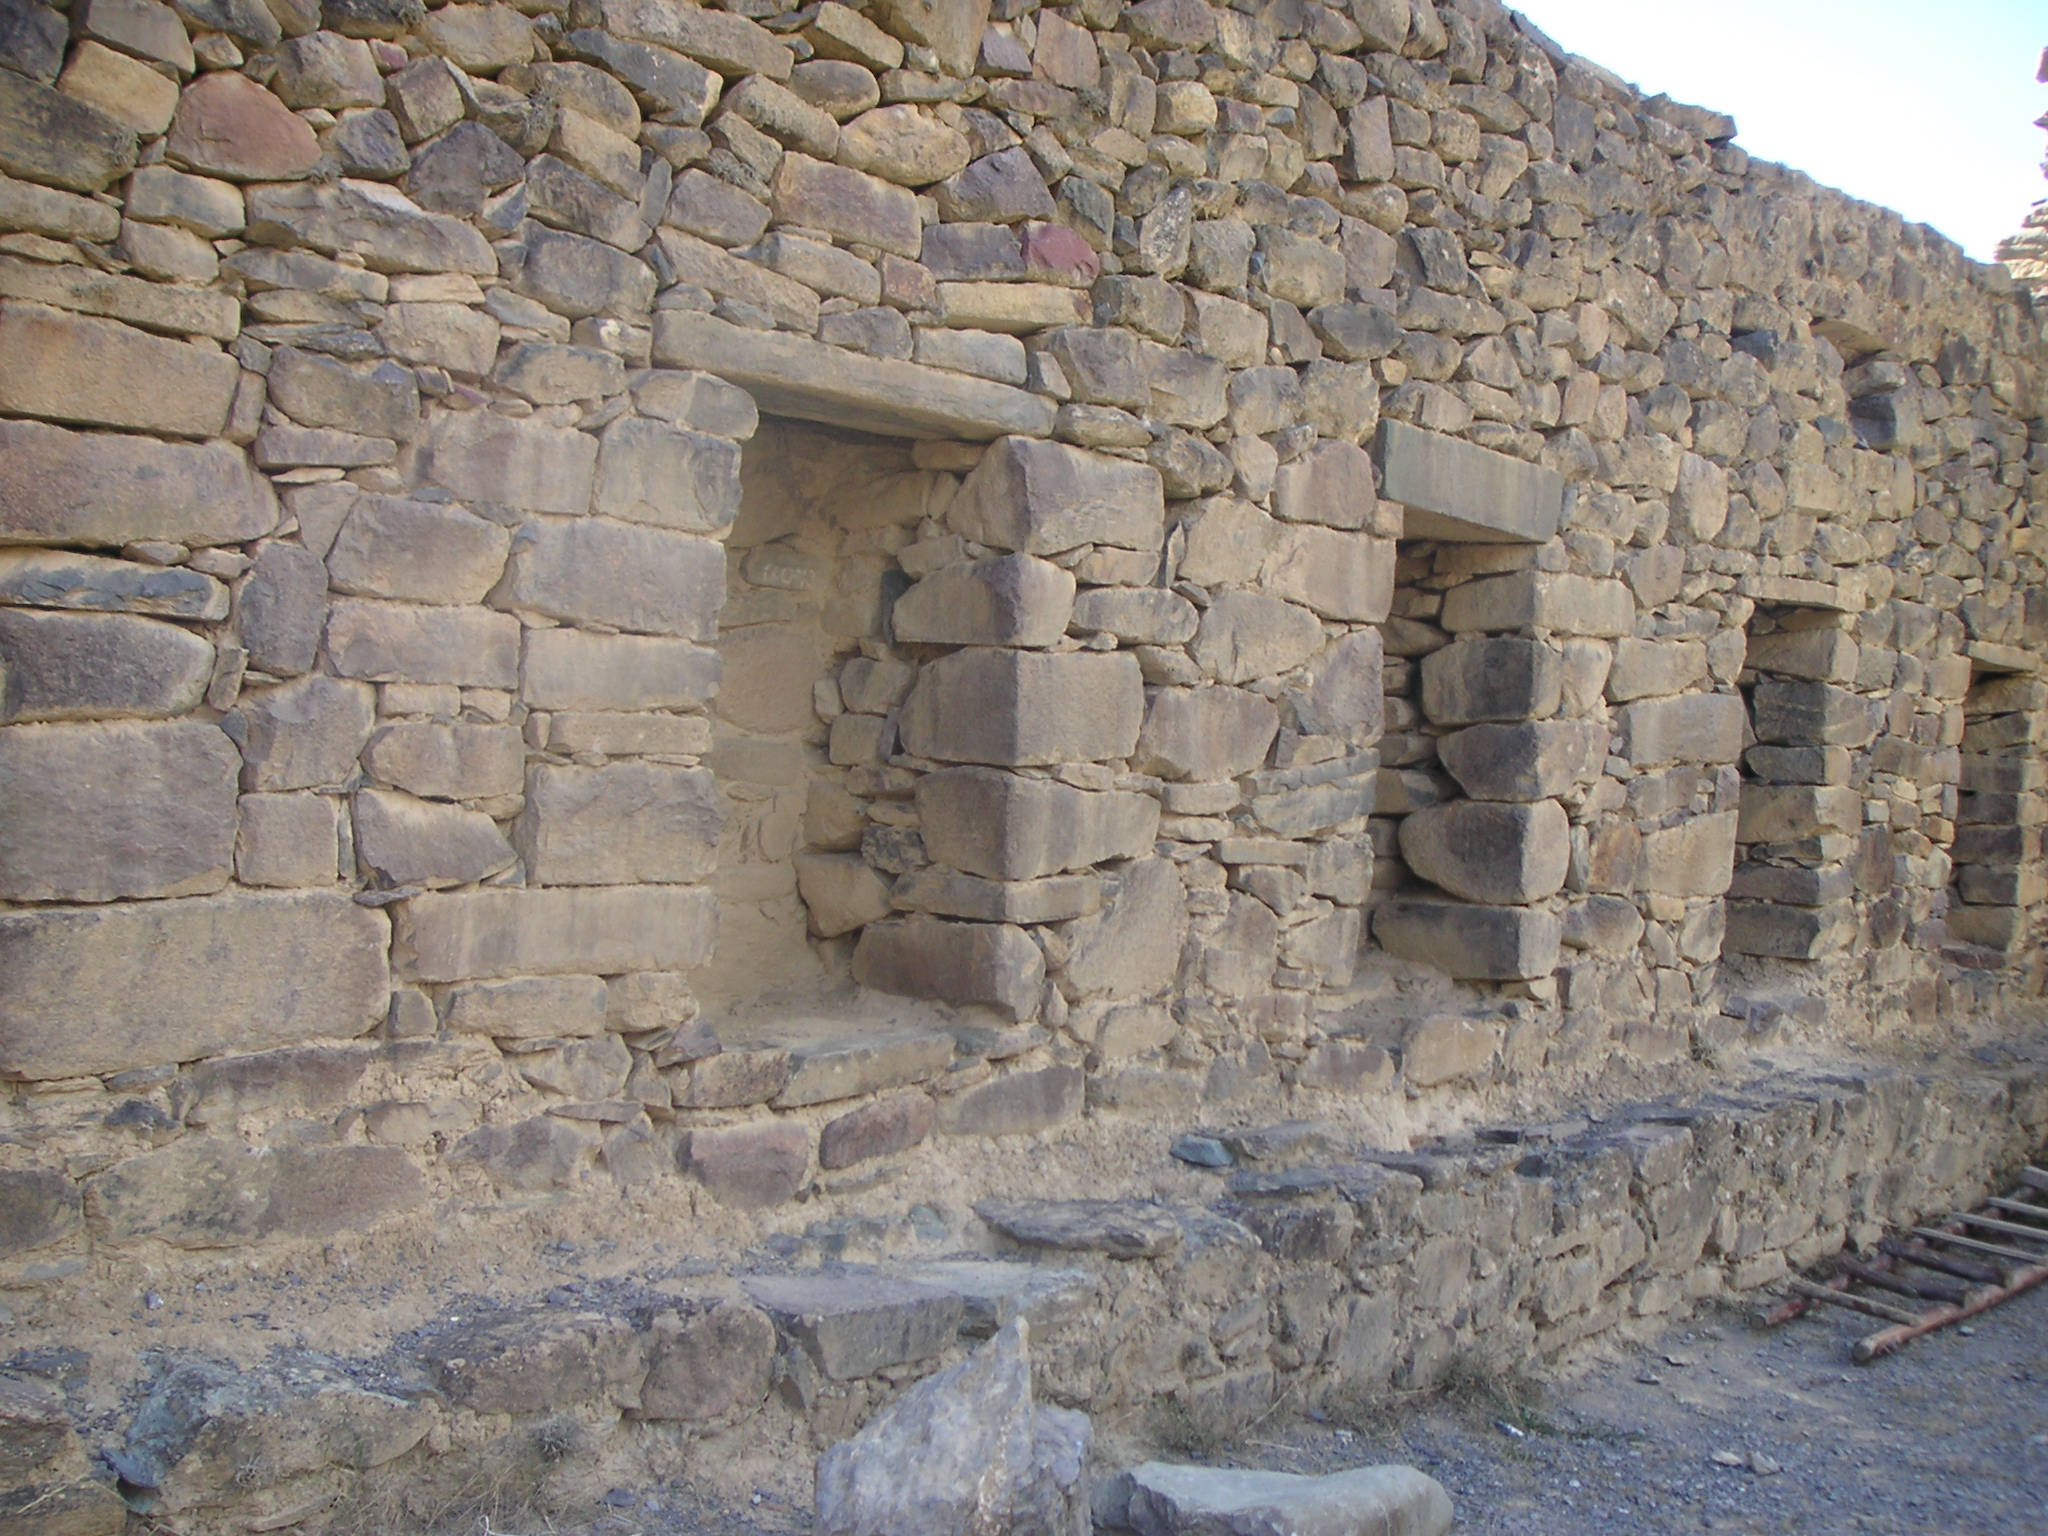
x: 1926, y: 108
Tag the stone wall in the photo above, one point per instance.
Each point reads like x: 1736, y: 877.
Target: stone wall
x: 625, y: 595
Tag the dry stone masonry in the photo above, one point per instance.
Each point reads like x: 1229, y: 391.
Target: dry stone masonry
x: 671, y: 609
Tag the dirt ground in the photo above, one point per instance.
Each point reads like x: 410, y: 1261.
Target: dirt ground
x: 1950, y: 1435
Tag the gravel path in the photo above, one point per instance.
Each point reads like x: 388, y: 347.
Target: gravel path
x: 1949, y: 1436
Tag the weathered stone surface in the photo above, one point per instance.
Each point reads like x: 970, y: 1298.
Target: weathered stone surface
x: 853, y: 1325
x: 416, y: 551
x: 1044, y: 498
x: 38, y: 1206
x: 943, y: 893
x: 539, y: 1153
x: 1194, y: 1501
x: 577, y: 277
x: 623, y: 824
x: 725, y: 42
x: 230, y: 126
x: 402, y: 840
x: 1249, y: 635
x: 1782, y: 813
x: 1136, y: 615
x: 376, y: 222
x: 318, y: 391
x: 126, y: 89
x: 1004, y: 827
x: 1536, y: 760
x: 1017, y: 1103
x: 649, y: 472
x: 1132, y: 947
x: 1347, y: 576
x: 529, y: 1007
x: 1120, y: 1229
x: 282, y: 609
x: 1470, y: 943
x: 1002, y: 188
x: 1813, y: 714
x: 1808, y: 933
x: 575, y: 670
x: 304, y: 734
x: 1562, y: 604
x: 175, y: 256
x: 110, y: 490
x: 1346, y: 691
x: 210, y: 1193
x: 1696, y: 857
x: 1011, y: 600
x: 406, y: 643
x: 624, y: 575
x: 707, y: 1364
x: 1019, y: 708
x: 695, y: 402
x: 962, y: 1450
x: 827, y: 1063
x: 1690, y: 728
x: 288, y: 841
x: 900, y: 144
x: 537, y: 1359
x: 842, y: 892
x: 103, y: 989
x: 1206, y: 733
x: 1474, y: 681
x: 106, y: 811
x: 58, y: 364
x: 481, y: 456
x: 60, y: 215
x: 448, y: 762
x: 49, y: 137
x: 1459, y: 491
x: 82, y: 666
x: 1490, y: 852
x: 992, y: 965
x: 847, y: 204
x: 1331, y: 484
x: 1653, y: 668
x: 882, y: 1128
x: 601, y: 930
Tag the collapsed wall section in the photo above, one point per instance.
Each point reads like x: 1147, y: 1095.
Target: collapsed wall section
x: 1296, y: 556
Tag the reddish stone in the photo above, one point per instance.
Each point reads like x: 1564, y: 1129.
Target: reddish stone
x: 760, y: 1163
x: 908, y: 284
x: 227, y: 125
x: 1056, y: 252
x: 876, y: 1130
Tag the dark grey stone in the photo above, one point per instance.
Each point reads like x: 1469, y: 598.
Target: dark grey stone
x: 853, y: 1325
x: 1122, y: 1229
x: 282, y: 608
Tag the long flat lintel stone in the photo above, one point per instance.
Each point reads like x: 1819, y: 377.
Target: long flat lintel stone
x: 793, y: 376
x: 1459, y: 491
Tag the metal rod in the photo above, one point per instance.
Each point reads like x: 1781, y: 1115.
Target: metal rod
x: 1970, y: 1244
x: 2034, y: 1178
x: 1863, y: 1304
x: 1947, y: 1264
x: 2019, y: 1207
x: 2009, y: 1228
x: 1885, y: 1340
x: 1923, y: 1290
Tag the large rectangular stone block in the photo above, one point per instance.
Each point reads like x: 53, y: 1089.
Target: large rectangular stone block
x: 1348, y: 576
x: 514, y: 462
x: 101, y: 812
x: 651, y: 472
x: 1004, y: 827
x: 795, y: 376
x: 1479, y: 680
x: 1690, y: 728
x: 1459, y: 491
x: 623, y: 824
x: 1562, y: 604
x: 1694, y: 858
x: 1208, y: 734
x: 1652, y: 668
x: 599, y: 930
x: 575, y: 669
x: 1017, y: 708
x: 415, y: 551
x: 1011, y: 600
x: 1784, y: 813
x: 448, y: 762
x: 1825, y: 655
x: 107, y: 489
x: 1043, y: 498
x: 1330, y: 484
x: 102, y: 373
x: 83, y: 666
x: 1470, y: 943
x: 1534, y: 760
x: 1813, y: 714
x: 401, y: 643
x: 990, y: 965
x: 1490, y: 851
x: 1788, y: 933
x: 625, y: 575
x: 104, y: 989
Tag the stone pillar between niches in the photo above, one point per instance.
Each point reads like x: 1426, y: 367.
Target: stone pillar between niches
x: 2001, y: 835
x: 1509, y: 700
x: 1814, y: 831
x: 1018, y: 732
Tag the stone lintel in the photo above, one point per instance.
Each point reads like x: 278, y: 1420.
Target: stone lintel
x: 1459, y: 491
